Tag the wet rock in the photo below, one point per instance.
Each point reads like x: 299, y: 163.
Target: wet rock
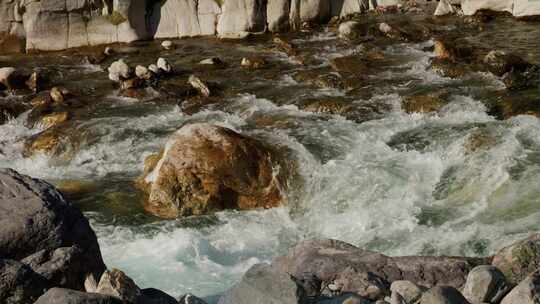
x: 353, y: 64
x: 154, y: 69
x: 450, y: 69
x: 155, y: 296
x: 422, y: 103
x: 12, y: 79
x: 143, y: 73
x: 325, y: 259
x: 211, y: 61
x: 285, y: 46
x: 59, y: 140
x: 54, y: 119
x: 479, y: 141
x: 46, y: 232
x: 19, y: 283
x: 443, y: 295
x: 119, y: 70
x: 116, y: 283
x: 57, y: 95
x: 132, y: 83
x: 200, y: 86
x: 68, y: 296
x: 520, y: 259
x: 520, y: 80
x: 190, y: 299
x: 265, y: 285
x: 485, y: 284
x: 10, y: 109
x: 385, y: 28
x: 206, y: 168
x: 454, y: 50
x: 164, y: 66
x: 410, y: 292
x: 350, y: 30
x: 34, y: 83
x: 326, y: 106
x: 500, y: 63
x: 526, y: 292
x: 253, y: 62
x: 167, y: 44
x: 76, y: 188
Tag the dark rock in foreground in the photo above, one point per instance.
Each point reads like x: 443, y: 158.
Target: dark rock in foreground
x: 67, y: 296
x: 44, y: 231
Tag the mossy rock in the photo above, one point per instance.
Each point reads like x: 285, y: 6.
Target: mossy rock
x: 116, y: 18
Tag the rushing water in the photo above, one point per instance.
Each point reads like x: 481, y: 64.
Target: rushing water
x: 398, y: 183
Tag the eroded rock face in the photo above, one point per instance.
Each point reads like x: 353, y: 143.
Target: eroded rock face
x: 207, y: 168
x: 45, y: 232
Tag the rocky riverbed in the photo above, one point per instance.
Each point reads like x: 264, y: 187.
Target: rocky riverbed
x: 384, y: 156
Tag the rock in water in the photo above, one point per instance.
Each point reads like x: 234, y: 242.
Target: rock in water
x: 190, y: 299
x: 263, y: 285
x: 164, y: 65
x: 68, y: 296
x: 207, y: 168
x: 167, y: 44
x: 443, y: 295
x: 199, y: 85
x: 520, y: 259
x: 486, y: 284
x: 119, y: 70
x: 44, y: 231
x: 527, y: 292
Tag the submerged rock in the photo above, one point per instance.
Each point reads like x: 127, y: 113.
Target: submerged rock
x: 422, y: 103
x: 207, y: 168
x: 500, y: 63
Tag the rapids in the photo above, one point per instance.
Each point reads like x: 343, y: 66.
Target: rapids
x: 398, y: 183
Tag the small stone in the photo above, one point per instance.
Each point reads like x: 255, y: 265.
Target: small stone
x: 119, y: 70
x: 33, y: 83
x: 385, y: 28
x: 143, y: 73
x: 199, y: 85
x: 408, y: 290
x: 211, y: 61
x: 190, y: 299
x: 57, y: 95
x: 108, y: 51
x: 117, y: 283
x: 253, y: 63
x: 164, y: 65
x: 153, y: 68
x: 348, y: 29
x: 132, y: 83
x: 167, y: 44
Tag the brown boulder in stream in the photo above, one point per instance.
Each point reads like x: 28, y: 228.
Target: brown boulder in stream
x: 207, y: 168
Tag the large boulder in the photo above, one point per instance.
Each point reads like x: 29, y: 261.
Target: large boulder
x: 527, y: 292
x: 485, y: 284
x: 67, y: 296
x: 520, y: 259
x: 207, y: 168
x: 443, y: 295
x: 44, y: 231
x: 326, y: 259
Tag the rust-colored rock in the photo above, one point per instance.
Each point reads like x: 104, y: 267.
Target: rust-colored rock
x: 207, y: 168
x: 422, y: 104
